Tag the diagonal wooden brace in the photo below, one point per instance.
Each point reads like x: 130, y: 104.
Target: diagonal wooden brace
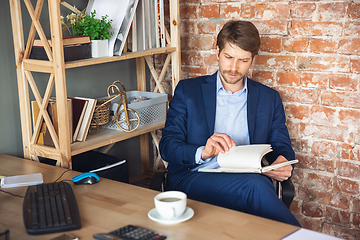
x: 32, y: 31
x: 42, y: 103
x: 39, y: 29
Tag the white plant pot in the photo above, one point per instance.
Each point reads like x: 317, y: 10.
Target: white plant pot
x: 99, y: 48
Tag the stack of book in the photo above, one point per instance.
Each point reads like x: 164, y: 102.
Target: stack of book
x: 80, y: 113
x: 148, y: 25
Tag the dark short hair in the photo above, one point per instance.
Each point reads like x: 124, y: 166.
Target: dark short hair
x: 241, y: 33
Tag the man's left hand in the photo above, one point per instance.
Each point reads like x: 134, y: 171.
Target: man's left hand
x: 281, y: 173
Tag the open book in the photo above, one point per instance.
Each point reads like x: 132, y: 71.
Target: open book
x: 245, y: 159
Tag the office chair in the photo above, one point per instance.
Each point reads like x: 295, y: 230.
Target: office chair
x: 285, y: 190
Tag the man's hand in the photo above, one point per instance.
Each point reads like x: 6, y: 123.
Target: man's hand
x: 282, y: 173
x: 218, y: 142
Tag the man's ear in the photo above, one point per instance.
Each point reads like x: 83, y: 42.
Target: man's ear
x: 253, y: 59
x: 217, y: 52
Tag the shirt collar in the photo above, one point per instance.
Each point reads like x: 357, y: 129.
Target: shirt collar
x: 220, y: 87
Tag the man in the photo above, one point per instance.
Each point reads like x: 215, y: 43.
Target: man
x: 211, y: 114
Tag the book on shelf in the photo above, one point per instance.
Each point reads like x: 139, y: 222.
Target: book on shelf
x: 67, y: 40
x: 245, y: 159
x: 154, y: 23
x: 139, y: 28
x: 148, y: 26
x: 79, y: 108
x: 53, y: 113
x: 85, y: 124
x: 148, y: 29
x: 43, y: 129
x: 134, y: 35
x: 161, y: 22
x: 44, y: 136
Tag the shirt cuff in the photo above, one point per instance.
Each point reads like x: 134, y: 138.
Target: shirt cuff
x: 198, y: 159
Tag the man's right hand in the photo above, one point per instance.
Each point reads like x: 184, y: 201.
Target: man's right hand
x: 218, y: 142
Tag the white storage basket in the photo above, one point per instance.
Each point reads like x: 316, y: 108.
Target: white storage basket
x: 150, y: 111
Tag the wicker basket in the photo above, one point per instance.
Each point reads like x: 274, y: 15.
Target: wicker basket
x: 101, y: 115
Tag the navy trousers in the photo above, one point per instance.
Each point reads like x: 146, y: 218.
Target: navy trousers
x: 246, y: 192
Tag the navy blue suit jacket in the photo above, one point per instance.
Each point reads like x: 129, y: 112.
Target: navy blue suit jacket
x: 191, y: 118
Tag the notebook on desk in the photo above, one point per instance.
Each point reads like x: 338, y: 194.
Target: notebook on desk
x: 22, y: 180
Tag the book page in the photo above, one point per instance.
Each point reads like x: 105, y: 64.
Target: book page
x: 231, y: 170
x: 274, y: 166
x: 245, y: 156
x: 248, y: 170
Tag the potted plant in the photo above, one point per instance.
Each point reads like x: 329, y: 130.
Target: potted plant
x: 99, y: 30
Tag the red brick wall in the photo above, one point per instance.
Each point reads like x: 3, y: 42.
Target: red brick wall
x: 311, y: 54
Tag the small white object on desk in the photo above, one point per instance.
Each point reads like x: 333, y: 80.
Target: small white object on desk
x: 155, y: 216
x: 22, y: 180
x: 309, y: 234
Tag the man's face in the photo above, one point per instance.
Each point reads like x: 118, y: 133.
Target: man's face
x: 234, y: 63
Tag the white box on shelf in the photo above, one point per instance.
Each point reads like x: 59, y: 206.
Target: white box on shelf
x: 151, y: 107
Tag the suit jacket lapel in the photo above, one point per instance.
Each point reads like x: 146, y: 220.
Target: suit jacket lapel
x: 252, y: 101
x: 209, y: 96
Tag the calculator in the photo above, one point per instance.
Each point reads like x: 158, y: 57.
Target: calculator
x: 130, y: 232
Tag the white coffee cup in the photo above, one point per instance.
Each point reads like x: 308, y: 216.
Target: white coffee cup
x: 170, y: 204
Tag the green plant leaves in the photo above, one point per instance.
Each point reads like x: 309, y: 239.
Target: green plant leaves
x: 97, y: 29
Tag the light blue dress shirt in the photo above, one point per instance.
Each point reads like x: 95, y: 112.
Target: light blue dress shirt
x: 231, y: 118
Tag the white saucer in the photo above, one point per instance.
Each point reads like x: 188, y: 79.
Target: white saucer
x: 155, y: 216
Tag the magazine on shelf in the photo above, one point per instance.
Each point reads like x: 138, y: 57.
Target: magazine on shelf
x: 161, y: 23
x: 154, y: 23
x: 148, y: 29
x: 125, y: 27
x: 139, y: 27
x: 146, y: 26
x: 134, y: 41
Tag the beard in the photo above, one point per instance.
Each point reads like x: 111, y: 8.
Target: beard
x: 229, y: 80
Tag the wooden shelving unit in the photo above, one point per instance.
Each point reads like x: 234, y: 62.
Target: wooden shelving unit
x: 56, y: 67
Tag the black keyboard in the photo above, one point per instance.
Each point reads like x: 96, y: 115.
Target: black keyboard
x: 50, y: 208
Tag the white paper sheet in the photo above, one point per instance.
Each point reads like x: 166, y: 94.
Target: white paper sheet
x: 125, y: 27
x: 245, y: 156
x: 22, y: 180
x: 304, y: 234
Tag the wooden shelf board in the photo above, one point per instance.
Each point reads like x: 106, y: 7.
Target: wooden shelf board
x: 102, y: 138
x: 107, y: 136
x: 124, y: 56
